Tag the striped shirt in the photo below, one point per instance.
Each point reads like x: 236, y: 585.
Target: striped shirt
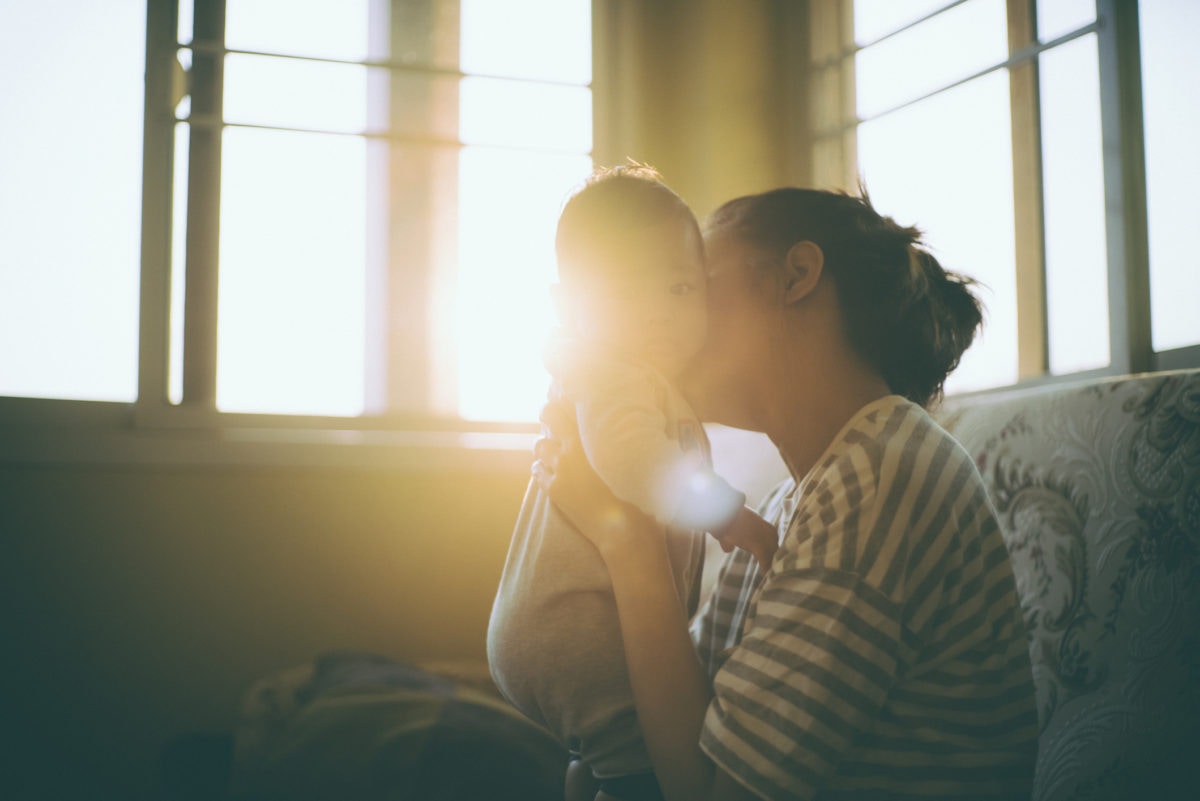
x: 883, y: 654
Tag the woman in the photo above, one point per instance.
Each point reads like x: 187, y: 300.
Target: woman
x: 882, y: 654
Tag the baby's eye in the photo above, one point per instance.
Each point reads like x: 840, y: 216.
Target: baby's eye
x: 683, y: 289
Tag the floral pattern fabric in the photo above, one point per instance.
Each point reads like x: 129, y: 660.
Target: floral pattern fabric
x: 1098, y: 493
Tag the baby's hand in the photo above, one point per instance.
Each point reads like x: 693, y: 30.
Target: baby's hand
x: 750, y: 532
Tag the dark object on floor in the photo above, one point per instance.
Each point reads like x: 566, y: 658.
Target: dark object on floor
x: 360, y: 726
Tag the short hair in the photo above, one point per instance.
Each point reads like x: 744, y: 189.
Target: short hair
x: 910, y: 318
x: 611, y: 201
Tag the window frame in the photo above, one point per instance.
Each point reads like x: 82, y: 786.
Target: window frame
x: 834, y: 152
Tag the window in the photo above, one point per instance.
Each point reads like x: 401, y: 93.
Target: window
x: 1169, y: 63
x: 1011, y: 131
x: 336, y: 208
x: 390, y: 175
x: 69, y: 293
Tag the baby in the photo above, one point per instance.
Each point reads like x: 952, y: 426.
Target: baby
x: 631, y: 295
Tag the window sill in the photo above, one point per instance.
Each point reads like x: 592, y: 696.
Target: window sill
x: 49, y: 433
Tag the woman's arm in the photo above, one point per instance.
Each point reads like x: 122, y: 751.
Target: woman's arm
x: 670, y: 688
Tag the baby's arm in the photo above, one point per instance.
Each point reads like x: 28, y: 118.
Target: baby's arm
x: 623, y: 432
x: 750, y: 532
x: 624, y: 436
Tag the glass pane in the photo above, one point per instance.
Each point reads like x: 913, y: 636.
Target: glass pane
x: 547, y: 40
x: 945, y: 164
x: 495, y: 112
x: 183, y: 31
x: 1073, y: 192
x: 1170, y: 64
x: 291, y: 306
x: 70, y: 203
x: 508, y: 210
x: 876, y: 18
x: 179, y: 209
x: 261, y: 90
x: 934, y: 54
x: 318, y: 28
x: 1056, y: 18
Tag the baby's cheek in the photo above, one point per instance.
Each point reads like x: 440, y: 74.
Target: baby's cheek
x: 698, y: 327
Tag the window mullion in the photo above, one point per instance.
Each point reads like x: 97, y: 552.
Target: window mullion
x: 413, y: 197
x: 204, y: 212
x: 1028, y: 207
x: 157, y: 157
x: 1124, y: 186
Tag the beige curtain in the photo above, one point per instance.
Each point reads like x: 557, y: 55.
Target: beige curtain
x: 708, y: 91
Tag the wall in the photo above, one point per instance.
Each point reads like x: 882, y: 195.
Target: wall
x: 140, y: 602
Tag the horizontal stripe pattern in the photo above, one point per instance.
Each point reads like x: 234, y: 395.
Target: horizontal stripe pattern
x: 883, y: 654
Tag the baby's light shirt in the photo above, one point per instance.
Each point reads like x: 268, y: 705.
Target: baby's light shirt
x: 642, y: 437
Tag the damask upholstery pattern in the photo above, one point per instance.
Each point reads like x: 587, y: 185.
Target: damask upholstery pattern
x: 1097, y: 488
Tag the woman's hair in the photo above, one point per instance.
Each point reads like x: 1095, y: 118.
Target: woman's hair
x: 612, y: 201
x: 906, y: 315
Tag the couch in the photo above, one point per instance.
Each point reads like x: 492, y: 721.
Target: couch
x: 1097, y: 489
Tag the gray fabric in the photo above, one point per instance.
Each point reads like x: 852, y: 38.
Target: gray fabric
x: 1098, y: 493
x: 554, y: 642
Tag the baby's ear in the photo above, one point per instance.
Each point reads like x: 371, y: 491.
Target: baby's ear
x: 803, y: 266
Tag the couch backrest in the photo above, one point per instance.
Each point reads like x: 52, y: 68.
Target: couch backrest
x: 1097, y: 487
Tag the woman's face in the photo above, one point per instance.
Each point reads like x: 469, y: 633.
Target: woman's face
x: 742, y: 314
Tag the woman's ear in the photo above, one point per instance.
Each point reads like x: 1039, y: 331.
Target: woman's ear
x: 802, y: 270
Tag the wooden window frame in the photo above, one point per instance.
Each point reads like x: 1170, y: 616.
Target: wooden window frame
x: 832, y: 135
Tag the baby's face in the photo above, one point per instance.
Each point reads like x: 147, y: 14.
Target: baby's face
x: 649, y: 299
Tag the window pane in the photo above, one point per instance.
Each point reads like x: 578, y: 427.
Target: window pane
x: 70, y: 203
x: 1170, y: 64
x: 876, y: 18
x: 291, y: 306
x: 260, y: 90
x: 949, y: 47
x: 508, y: 210
x: 183, y: 31
x: 1073, y: 192
x: 178, y: 263
x: 945, y: 164
x: 1056, y: 18
x: 334, y: 29
x: 495, y: 112
x: 546, y: 40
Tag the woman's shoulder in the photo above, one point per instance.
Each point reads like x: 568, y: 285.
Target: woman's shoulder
x: 896, y: 482
x: 886, y: 441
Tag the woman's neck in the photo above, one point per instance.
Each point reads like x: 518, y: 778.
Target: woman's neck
x: 810, y: 414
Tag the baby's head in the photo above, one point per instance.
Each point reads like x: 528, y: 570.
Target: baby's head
x: 631, y: 268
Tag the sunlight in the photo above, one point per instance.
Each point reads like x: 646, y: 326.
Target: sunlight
x: 291, y: 338
x: 508, y: 209
x: 509, y: 199
x: 294, y: 333
x: 70, y: 198
x: 291, y: 333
